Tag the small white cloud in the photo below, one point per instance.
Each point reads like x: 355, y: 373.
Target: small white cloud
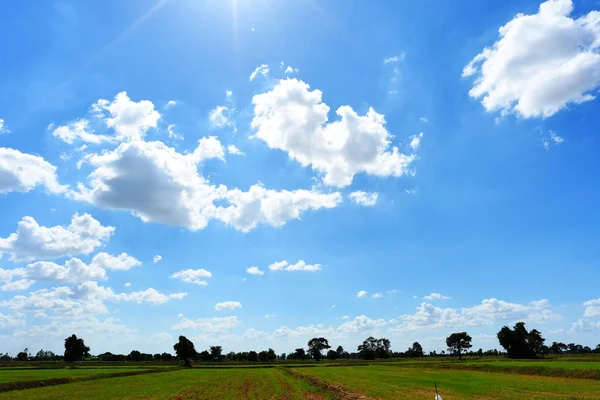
x: 415, y: 141
x: 552, y: 141
x: 270, y: 316
x: 228, y: 305
x: 231, y: 149
x: 377, y: 295
x: 21, y: 284
x: 393, y: 59
x: 127, y: 284
x: 345, y: 317
x: 301, y: 265
x: 157, y: 258
x: 228, y: 93
x: 171, y: 103
x: 435, y: 296
x: 121, y: 262
x: 172, y: 134
x: 261, y: 69
x: 423, y: 119
x: 333, y: 306
x: 361, y: 294
x: 219, y: 117
x: 393, y: 291
x: 254, y: 271
x: 411, y: 191
x: 21, y: 172
x: 3, y: 129
x: 364, y: 198
x: 278, y: 265
x: 289, y: 70
x: 196, y: 276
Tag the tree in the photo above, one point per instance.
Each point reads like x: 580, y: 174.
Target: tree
x: 519, y: 343
x: 75, y: 349
x: 22, y: 356
x: 315, y: 345
x: 339, y: 351
x: 557, y: 348
x: 299, y: 354
x: 215, y: 352
x: 332, y: 355
x: 135, y: 356
x: 185, y: 350
x: 459, y: 341
x: 415, y: 350
x: 263, y: 356
x: 383, y: 348
x: 271, y: 356
x: 252, y: 356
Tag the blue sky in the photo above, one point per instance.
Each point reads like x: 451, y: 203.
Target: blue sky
x: 422, y: 168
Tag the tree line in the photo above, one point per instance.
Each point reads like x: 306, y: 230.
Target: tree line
x: 517, y: 342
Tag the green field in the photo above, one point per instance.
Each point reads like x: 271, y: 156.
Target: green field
x: 394, y: 382
x: 380, y: 380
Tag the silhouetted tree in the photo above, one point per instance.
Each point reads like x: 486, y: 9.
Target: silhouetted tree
x: 415, y: 350
x: 75, y: 349
x: 459, y: 341
x: 315, y: 345
x: 332, y: 355
x: 135, y: 356
x: 205, y: 356
x: 252, y: 356
x: 185, y: 350
x: 339, y: 351
x: 519, y: 343
x: 372, y: 348
x: 215, y: 352
x: 299, y: 354
x: 271, y: 356
x: 263, y: 356
x: 22, y: 356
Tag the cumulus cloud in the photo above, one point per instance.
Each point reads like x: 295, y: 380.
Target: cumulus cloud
x: 12, y: 320
x: 15, y: 286
x: 294, y: 119
x: 231, y: 149
x: 121, y: 262
x: 301, y: 265
x: 490, y: 311
x: 3, y: 128
x: 32, y: 241
x: 541, y: 62
x: 130, y: 120
x: 552, y: 140
x: 196, y: 276
x: 415, y: 141
x: 254, y: 271
x: 171, y: 103
x: 219, y: 117
x: 435, y: 296
x: 261, y: 69
x: 592, y: 308
x: 157, y: 258
x: 217, y: 324
x: 21, y: 172
x: 150, y: 295
x: 361, y: 294
x: 364, y: 198
x: 228, y: 305
x: 159, y: 184
x: 80, y: 130
x: 73, y: 271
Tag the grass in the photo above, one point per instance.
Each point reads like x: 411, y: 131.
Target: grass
x: 393, y: 382
x: 195, y: 383
x: 30, y: 374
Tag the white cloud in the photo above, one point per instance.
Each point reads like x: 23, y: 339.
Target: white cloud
x: 130, y: 120
x: 217, y: 324
x: 3, y: 129
x: 293, y: 119
x: 231, y: 149
x: 73, y: 271
x: 345, y: 317
x: 157, y: 258
x: 592, y: 308
x: 490, y: 311
x: 228, y: 305
x: 32, y: 241
x: 254, y: 271
x: 219, y: 117
x: 261, y: 69
x: 127, y: 284
x: 541, y: 63
x: 393, y: 291
x: 393, y: 59
x: 11, y: 320
x: 584, y: 325
x: 21, y: 172
x: 21, y: 284
x: 423, y: 119
x: 552, y: 140
x: 122, y: 262
x: 172, y: 134
x: 196, y: 276
x: 150, y: 295
x: 364, y: 198
x: 228, y: 93
x: 301, y: 265
x: 436, y: 296
x: 289, y: 70
x: 377, y: 295
x: 161, y: 185
x: 415, y: 141
x: 171, y: 103
x: 362, y: 323
x: 361, y: 294
x: 270, y: 316
x: 79, y: 130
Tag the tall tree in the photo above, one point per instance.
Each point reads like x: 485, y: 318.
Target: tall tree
x: 185, y: 350
x: 457, y: 342
x: 215, y: 352
x: 416, y: 350
x: 252, y: 356
x: 340, y: 351
x: 315, y: 345
x: 75, y: 349
x: 299, y: 354
x: 519, y: 343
